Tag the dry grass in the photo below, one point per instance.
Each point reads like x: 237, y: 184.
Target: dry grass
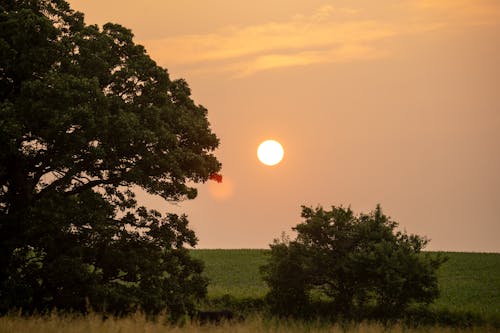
x: 139, y: 324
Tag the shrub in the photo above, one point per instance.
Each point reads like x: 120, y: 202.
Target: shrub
x: 358, y: 264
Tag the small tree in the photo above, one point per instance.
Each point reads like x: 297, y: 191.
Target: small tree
x: 86, y: 117
x: 360, y: 264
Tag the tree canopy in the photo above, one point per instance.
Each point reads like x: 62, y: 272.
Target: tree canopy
x: 86, y: 116
x: 359, y: 265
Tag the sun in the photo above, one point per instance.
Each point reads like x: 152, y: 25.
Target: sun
x: 270, y: 152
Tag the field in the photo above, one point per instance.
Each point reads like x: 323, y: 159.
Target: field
x: 468, y: 281
x: 471, y: 282
x: 234, y: 272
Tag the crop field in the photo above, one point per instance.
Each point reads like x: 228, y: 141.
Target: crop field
x: 234, y: 272
x: 468, y: 281
x: 471, y: 282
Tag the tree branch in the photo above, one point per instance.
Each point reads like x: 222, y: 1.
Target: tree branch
x: 93, y: 183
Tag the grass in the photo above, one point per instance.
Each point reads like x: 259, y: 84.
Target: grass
x: 468, y: 281
x: 139, y: 324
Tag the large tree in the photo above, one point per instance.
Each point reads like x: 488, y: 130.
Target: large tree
x: 86, y: 116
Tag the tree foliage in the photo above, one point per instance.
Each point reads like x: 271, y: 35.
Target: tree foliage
x: 359, y: 264
x: 86, y: 116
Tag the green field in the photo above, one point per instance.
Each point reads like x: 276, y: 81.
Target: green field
x: 471, y: 282
x: 234, y: 272
x: 468, y: 281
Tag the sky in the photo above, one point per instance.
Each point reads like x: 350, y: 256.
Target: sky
x: 384, y: 102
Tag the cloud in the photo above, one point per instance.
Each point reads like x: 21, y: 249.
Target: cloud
x: 324, y: 36
x: 328, y: 35
x: 343, y: 53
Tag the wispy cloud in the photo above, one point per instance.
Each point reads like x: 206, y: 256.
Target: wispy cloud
x: 328, y: 35
x: 342, y: 53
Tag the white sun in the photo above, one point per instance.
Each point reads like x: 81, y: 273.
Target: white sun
x: 270, y: 152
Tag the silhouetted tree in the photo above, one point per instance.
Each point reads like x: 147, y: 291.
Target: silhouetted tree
x: 86, y: 116
x: 360, y: 264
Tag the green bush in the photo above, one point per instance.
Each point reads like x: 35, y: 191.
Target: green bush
x: 358, y: 265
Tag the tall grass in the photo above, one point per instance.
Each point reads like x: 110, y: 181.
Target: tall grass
x: 139, y: 324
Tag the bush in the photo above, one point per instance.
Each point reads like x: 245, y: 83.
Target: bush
x: 360, y: 265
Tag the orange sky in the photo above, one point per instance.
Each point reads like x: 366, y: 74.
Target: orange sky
x: 390, y: 102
